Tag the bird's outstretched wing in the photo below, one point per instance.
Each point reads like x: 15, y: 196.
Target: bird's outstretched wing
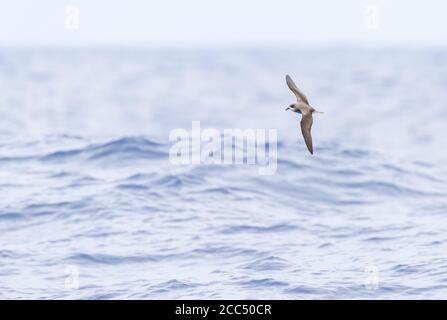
x: 306, y: 125
x: 299, y: 95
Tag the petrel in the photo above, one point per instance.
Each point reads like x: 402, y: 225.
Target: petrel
x: 302, y: 106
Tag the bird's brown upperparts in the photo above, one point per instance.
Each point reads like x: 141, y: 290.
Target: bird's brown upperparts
x: 302, y: 106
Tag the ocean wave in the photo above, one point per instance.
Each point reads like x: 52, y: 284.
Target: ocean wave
x: 128, y: 148
x: 88, y: 191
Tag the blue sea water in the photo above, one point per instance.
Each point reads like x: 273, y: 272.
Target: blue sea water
x: 92, y: 208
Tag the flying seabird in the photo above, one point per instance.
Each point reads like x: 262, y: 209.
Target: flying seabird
x: 302, y: 106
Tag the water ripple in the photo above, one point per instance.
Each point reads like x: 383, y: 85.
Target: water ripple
x: 88, y: 191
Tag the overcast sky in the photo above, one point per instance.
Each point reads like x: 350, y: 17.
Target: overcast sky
x: 226, y: 22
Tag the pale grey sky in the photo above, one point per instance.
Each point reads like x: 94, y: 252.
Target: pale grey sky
x: 224, y: 22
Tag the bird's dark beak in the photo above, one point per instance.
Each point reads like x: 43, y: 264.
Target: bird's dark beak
x: 287, y: 108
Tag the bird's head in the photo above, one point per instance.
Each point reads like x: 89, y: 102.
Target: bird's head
x: 291, y: 107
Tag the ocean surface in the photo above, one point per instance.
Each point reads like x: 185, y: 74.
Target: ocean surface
x: 91, y: 207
